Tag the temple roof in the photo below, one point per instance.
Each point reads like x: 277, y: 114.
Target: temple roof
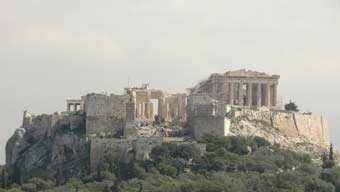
x: 248, y: 73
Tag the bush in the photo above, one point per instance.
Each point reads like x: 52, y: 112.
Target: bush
x: 291, y: 106
x: 40, y: 184
x: 168, y: 170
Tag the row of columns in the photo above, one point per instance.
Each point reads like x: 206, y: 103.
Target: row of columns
x: 254, y: 92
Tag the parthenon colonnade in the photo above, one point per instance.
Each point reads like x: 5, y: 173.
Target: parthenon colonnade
x: 248, y: 93
x: 248, y: 88
x: 241, y: 87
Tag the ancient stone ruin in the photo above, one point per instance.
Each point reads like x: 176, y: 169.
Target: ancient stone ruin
x: 245, y: 88
x: 128, y: 126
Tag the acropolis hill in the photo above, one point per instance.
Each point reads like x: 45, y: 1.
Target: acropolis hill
x: 126, y: 127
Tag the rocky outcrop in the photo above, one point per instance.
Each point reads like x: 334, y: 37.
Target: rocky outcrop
x: 291, y: 124
x: 14, y: 145
x: 51, y: 145
x: 243, y: 126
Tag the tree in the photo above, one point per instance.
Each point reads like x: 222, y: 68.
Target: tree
x: 331, y: 154
x: 168, y: 170
x: 324, y: 158
x: 38, y: 184
x: 325, y: 161
x: 328, y: 163
x: 75, y: 183
x: 291, y: 106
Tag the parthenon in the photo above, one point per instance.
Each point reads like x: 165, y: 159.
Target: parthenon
x: 241, y: 87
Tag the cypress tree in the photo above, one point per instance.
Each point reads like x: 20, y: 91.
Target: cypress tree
x: 324, y: 158
x: 331, y: 154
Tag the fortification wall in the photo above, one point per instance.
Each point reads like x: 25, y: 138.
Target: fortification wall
x: 27, y: 119
x: 286, y: 123
x: 105, y: 114
x: 144, y: 146
x: 121, y: 149
x: 113, y: 149
x: 313, y: 127
x: 210, y: 124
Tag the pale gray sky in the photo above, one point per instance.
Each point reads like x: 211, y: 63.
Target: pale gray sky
x: 52, y: 50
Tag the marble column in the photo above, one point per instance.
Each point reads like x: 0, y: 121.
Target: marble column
x: 240, y: 93
x: 259, y: 95
x: 274, y: 99
x: 143, y: 110
x: 231, y: 93
x: 249, y: 94
x: 267, y: 95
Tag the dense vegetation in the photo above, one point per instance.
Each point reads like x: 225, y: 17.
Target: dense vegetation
x: 230, y: 164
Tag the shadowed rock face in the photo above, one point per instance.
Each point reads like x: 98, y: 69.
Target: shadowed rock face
x: 14, y: 144
x: 43, y: 149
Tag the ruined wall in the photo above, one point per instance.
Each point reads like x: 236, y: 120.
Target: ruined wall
x: 113, y: 149
x: 206, y: 115
x: 123, y: 150
x: 193, y: 102
x: 175, y: 107
x: 144, y: 146
x: 27, y: 119
x: 47, y: 125
x: 286, y: 123
x: 144, y: 108
x: 105, y: 114
x: 313, y: 127
x: 210, y: 124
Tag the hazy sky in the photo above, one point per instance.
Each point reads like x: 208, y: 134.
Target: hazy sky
x: 53, y: 50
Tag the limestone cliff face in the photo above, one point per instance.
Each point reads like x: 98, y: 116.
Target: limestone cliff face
x: 313, y: 128
x: 50, y: 145
x: 250, y: 127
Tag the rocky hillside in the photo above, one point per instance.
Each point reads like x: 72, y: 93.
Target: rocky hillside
x: 56, y: 146
x: 46, y: 150
x: 242, y: 126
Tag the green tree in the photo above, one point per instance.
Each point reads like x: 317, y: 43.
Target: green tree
x: 168, y: 170
x: 291, y: 106
x: 38, y: 184
x: 324, y: 158
x: 331, y: 153
x: 188, y: 152
x: 319, y: 186
x: 332, y: 175
x: 328, y: 163
x: 75, y: 183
